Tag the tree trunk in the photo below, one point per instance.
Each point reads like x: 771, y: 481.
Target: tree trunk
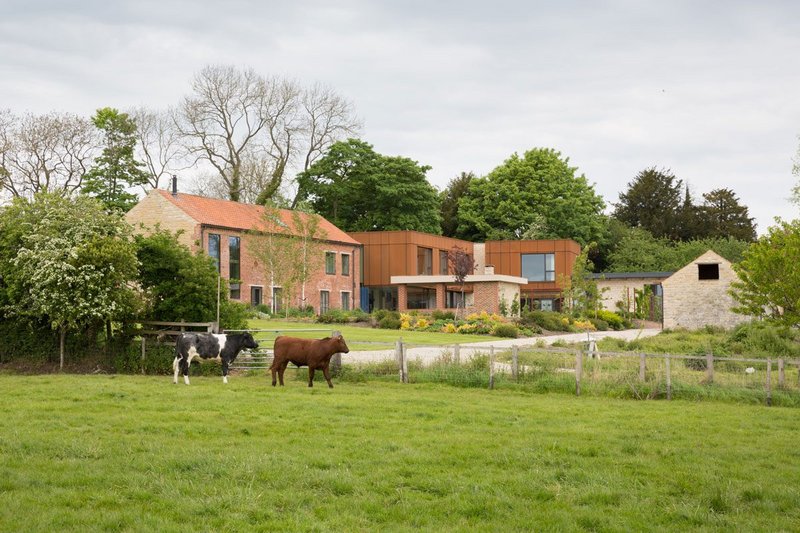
x: 61, y: 346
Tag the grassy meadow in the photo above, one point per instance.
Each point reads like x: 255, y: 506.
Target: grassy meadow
x: 136, y: 453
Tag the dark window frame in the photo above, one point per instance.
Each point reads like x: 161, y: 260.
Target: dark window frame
x: 330, y: 266
x: 548, y: 275
x: 218, y: 257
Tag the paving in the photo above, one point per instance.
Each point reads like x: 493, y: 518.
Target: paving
x: 428, y: 354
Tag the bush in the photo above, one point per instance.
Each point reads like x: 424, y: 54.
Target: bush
x: 505, y: 330
x: 233, y: 315
x: 442, y: 315
x: 549, y: 320
x: 380, y: 314
x: 333, y: 316
x: 389, y: 322
x: 611, y: 318
x: 599, y: 325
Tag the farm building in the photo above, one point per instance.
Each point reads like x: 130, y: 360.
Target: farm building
x: 697, y: 295
x: 631, y: 291
x: 221, y: 229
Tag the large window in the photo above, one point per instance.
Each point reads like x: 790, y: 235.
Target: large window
x: 345, y: 301
x: 539, y: 267
x: 330, y: 262
x: 324, y: 301
x: 213, y: 248
x: 345, y: 264
x: 442, y: 262
x: 234, y: 249
x: 424, y: 261
x: 382, y: 298
x: 421, y: 298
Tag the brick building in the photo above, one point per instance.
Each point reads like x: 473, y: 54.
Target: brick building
x: 220, y: 228
x: 408, y: 270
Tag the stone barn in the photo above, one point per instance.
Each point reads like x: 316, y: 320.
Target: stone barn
x: 698, y: 295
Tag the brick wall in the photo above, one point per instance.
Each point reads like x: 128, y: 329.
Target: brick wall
x: 692, y: 303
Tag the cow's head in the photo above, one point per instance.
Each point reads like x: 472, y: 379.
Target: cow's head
x: 249, y: 342
x: 340, y: 345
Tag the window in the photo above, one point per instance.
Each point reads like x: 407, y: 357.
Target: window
x: 345, y: 264
x: 330, y: 262
x: 213, y: 248
x: 442, y: 262
x: 708, y: 271
x: 256, y: 295
x: 277, y: 297
x: 346, y: 301
x: 424, y: 261
x: 324, y: 301
x: 539, y: 267
x: 382, y: 298
x: 234, y: 247
x: 421, y: 298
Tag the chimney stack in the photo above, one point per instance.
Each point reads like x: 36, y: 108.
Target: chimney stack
x: 174, y: 185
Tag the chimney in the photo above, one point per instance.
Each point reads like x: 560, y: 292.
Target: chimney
x: 174, y: 185
x: 488, y: 269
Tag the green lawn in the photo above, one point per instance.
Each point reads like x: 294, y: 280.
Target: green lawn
x: 134, y: 453
x: 359, y: 337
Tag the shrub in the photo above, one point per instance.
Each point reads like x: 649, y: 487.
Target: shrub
x: 549, y: 320
x: 389, y: 322
x: 233, y: 315
x: 442, y: 315
x: 505, y: 330
x: 599, y: 325
x: 611, y: 318
x: 333, y: 316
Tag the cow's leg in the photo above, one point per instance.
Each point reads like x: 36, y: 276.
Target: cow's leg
x: 274, y: 374
x: 327, y: 375
x: 281, y: 370
x: 185, y: 362
x: 311, y: 376
x: 224, y: 370
x: 176, y: 368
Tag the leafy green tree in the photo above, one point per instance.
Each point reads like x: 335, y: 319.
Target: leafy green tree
x: 580, y: 292
x: 116, y: 169
x: 769, y: 285
x: 652, y: 202
x: 360, y: 190
x: 723, y: 216
x: 537, y: 195
x: 450, y: 199
x: 73, y: 266
x: 180, y: 285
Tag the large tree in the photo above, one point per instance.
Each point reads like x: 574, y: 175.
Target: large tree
x: 653, y: 202
x: 359, y: 189
x: 252, y: 128
x: 66, y: 262
x: 538, y: 195
x: 115, y: 170
x: 723, y: 216
x: 44, y: 153
x: 158, y: 146
x: 450, y: 198
x: 769, y: 285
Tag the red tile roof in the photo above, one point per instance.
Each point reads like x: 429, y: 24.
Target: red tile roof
x: 236, y: 215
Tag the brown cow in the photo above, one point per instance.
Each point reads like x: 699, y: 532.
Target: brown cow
x: 316, y: 354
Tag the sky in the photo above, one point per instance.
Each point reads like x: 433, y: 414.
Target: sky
x: 707, y: 89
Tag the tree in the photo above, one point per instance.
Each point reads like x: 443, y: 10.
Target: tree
x: 653, y: 202
x: 158, y: 144
x: 44, y: 153
x: 251, y: 129
x: 580, y: 293
x: 723, y: 216
x: 358, y: 189
x: 450, y: 199
x: 769, y: 285
x: 289, y: 246
x: 115, y: 170
x: 538, y: 191
x: 74, y: 264
x: 461, y: 264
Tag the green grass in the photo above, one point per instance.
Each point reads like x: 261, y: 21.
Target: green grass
x: 133, y: 453
x: 357, y: 337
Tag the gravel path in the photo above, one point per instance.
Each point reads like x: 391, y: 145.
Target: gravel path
x: 430, y: 353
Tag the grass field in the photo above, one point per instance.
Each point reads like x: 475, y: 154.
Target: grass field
x: 131, y: 453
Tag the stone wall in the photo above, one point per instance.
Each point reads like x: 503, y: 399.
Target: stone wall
x: 622, y: 290
x: 692, y: 303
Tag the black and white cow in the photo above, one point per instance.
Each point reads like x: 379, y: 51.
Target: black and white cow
x: 221, y: 347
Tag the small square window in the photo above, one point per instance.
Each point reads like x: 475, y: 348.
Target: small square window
x: 708, y: 271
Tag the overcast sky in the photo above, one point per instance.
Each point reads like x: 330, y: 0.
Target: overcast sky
x: 710, y: 90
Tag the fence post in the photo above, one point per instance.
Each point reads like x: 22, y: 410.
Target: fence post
x: 144, y: 341
x: 578, y: 370
x: 710, y: 367
x: 781, y: 374
x: 457, y: 354
x: 515, y: 362
x: 769, y: 381
x: 669, y: 379
x: 491, y: 367
x: 404, y: 368
x: 336, y: 360
x: 642, y: 367
x: 398, y: 356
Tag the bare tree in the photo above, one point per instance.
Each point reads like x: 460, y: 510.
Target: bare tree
x: 45, y: 152
x: 253, y: 129
x: 159, y: 144
x: 460, y: 263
